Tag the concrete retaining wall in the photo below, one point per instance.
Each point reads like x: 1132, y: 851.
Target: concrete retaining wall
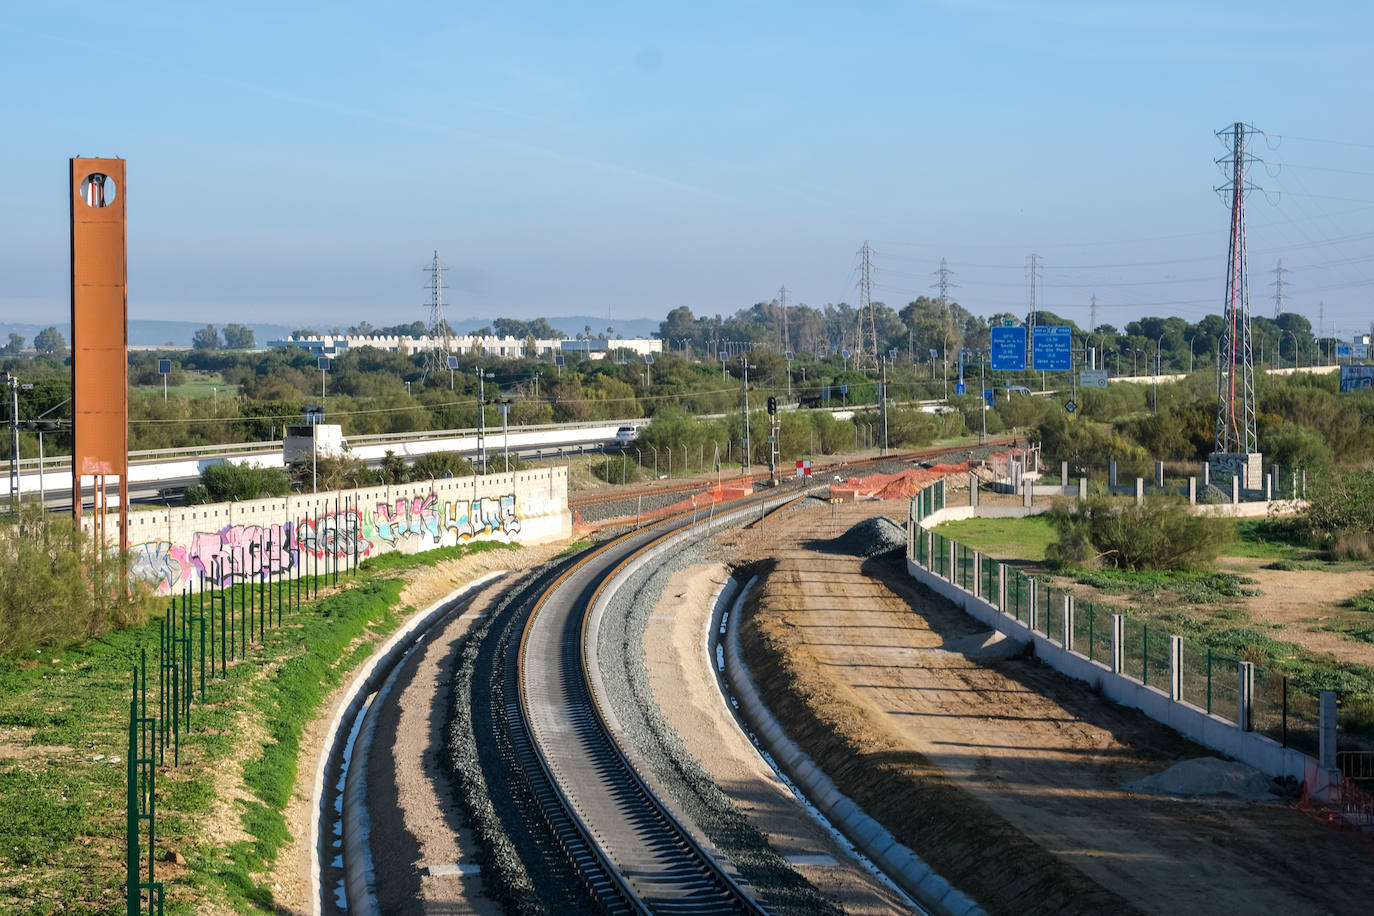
x: 227, y: 543
x: 1192, y: 722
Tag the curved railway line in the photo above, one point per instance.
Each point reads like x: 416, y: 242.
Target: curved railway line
x: 584, y: 823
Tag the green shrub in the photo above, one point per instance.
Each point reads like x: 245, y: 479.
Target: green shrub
x: 55, y: 590
x: 1158, y: 534
x: 436, y: 465
x: 229, y: 482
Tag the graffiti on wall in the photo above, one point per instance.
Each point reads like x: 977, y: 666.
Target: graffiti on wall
x: 245, y: 553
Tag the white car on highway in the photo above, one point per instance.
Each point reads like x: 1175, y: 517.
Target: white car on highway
x: 625, y: 435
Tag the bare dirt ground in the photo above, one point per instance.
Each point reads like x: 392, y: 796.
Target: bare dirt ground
x: 1007, y: 777
x: 1301, y: 602
x: 686, y: 691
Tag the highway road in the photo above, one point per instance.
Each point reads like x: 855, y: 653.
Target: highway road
x: 149, y: 492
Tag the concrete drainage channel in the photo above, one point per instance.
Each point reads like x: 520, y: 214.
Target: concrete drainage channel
x: 348, y: 740
x: 893, y: 860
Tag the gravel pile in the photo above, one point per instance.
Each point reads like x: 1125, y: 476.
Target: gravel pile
x: 622, y: 665
x: 1206, y: 776
x: 870, y: 538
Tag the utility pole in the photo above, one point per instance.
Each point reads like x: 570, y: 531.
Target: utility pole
x: 1235, y: 431
x: 782, y: 302
x: 1033, y: 274
x: 1321, y: 326
x: 441, y: 339
x: 943, y: 284
x: 1092, y: 316
x: 481, y: 420
x: 744, y: 386
x: 882, y: 394
x: 14, y: 440
x: 1278, y: 285
x: 865, y: 305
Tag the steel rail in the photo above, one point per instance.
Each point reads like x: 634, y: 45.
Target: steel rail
x: 632, y: 854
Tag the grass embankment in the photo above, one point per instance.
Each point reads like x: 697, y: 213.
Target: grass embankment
x: 63, y: 744
x: 1208, y: 606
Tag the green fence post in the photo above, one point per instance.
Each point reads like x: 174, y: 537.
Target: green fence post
x: 133, y: 864
x: 1209, y: 681
x: 1092, y: 613
x: 1145, y: 653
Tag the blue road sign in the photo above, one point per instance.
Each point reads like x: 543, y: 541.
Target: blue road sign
x: 989, y: 394
x: 1342, y: 351
x: 959, y: 388
x: 845, y: 353
x: 164, y: 366
x: 844, y: 390
x: 934, y: 353
x: 453, y: 362
x: 1052, y: 348
x: 559, y: 360
x: 1008, y: 350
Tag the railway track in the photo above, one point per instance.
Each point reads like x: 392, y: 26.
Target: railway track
x: 612, y: 494
x: 631, y: 853
x: 591, y: 835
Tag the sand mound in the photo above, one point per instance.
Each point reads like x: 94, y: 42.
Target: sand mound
x: 991, y: 644
x: 1206, y: 776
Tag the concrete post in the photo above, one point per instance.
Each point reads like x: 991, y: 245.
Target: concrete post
x: 1140, y: 491
x: 1175, y: 668
x: 1159, y: 474
x: 1245, y: 696
x: 1035, y: 457
x: 1002, y: 587
x: 944, y: 492
x: 1066, y: 622
x: 1235, y: 488
x: 1326, y: 740
x: 977, y: 578
x: 1118, y: 643
x: 1029, y: 492
x: 1268, y: 487
x: 973, y: 491
x: 1111, y: 474
x: 1206, y: 474
x: 1082, y: 488
x: 1063, y: 473
x: 1032, y: 617
x: 1293, y: 493
x: 1304, y: 483
x: 1192, y: 491
x: 953, y: 562
x: 930, y: 549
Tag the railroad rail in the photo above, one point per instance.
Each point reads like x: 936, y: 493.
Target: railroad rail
x: 631, y: 853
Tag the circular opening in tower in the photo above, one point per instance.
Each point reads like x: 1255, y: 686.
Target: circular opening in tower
x: 98, y: 190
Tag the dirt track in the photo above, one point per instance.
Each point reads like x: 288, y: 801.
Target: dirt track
x: 1006, y: 776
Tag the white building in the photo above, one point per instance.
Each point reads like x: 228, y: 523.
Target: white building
x: 473, y: 345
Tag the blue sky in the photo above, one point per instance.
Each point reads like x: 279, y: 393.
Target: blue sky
x: 301, y: 162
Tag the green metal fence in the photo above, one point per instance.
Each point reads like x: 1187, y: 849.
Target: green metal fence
x: 1208, y: 679
x: 199, y: 636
